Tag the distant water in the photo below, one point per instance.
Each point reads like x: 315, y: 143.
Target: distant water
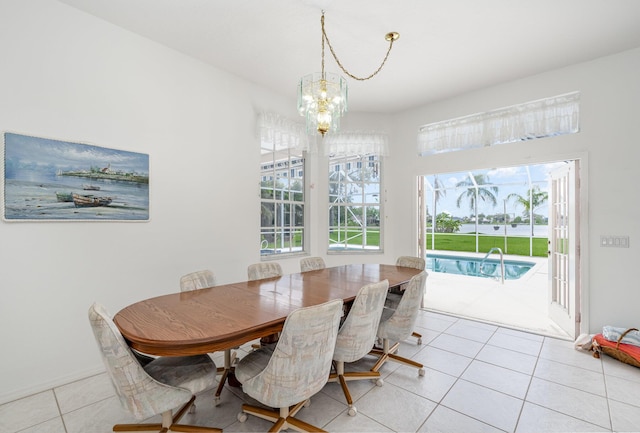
x: 33, y: 196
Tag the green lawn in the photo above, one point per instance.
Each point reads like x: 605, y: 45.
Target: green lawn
x: 355, y: 236
x: 515, y: 244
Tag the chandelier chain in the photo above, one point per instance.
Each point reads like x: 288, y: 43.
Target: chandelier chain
x: 322, y: 24
x: 333, y: 53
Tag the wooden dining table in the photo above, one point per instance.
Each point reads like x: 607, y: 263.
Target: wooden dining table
x: 225, y: 316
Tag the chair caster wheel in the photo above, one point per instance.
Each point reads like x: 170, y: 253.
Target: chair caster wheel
x: 192, y: 408
x: 216, y: 401
x: 379, y: 382
x: 242, y: 417
x: 421, y: 372
x: 353, y: 411
x: 419, y: 341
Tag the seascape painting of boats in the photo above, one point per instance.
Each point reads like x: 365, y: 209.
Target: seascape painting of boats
x: 54, y: 180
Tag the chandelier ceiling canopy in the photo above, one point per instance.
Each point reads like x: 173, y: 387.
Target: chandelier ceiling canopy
x: 322, y: 96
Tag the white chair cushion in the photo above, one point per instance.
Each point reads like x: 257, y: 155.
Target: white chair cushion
x: 195, y: 373
x: 254, y: 363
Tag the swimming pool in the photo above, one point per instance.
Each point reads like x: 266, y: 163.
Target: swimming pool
x: 463, y: 265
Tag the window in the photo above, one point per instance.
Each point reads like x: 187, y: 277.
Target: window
x: 355, y: 203
x: 282, y: 203
x: 536, y: 119
x: 282, y: 188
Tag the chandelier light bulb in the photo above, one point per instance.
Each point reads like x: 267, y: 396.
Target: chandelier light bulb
x: 324, y: 117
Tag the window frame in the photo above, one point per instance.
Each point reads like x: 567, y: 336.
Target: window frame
x: 361, y: 164
x: 289, y: 224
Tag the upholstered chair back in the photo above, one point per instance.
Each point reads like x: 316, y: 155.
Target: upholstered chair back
x: 197, y: 280
x: 311, y: 264
x: 301, y: 361
x: 358, y: 332
x: 138, y: 392
x: 411, y: 262
x: 259, y: 271
x: 400, y: 325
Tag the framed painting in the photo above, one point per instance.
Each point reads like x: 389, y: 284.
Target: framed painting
x: 54, y: 180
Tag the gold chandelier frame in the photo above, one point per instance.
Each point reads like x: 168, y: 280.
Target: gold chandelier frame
x: 322, y: 98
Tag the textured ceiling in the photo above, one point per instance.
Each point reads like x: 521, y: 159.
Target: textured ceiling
x: 446, y: 47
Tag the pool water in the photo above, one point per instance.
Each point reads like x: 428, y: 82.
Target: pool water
x: 462, y: 265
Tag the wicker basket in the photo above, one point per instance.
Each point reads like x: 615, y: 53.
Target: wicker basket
x: 622, y: 352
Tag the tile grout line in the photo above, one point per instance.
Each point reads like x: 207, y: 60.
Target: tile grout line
x: 458, y: 378
x: 55, y: 396
x: 566, y: 386
x: 531, y: 376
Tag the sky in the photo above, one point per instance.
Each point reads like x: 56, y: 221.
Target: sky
x: 508, y: 180
x: 43, y: 154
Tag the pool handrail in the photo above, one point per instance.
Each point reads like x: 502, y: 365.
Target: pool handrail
x: 501, y: 262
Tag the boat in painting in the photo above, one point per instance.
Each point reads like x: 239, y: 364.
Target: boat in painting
x: 64, y: 196
x: 90, y: 187
x: 90, y: 201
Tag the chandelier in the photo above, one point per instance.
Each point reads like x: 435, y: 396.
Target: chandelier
x: 322, y: 96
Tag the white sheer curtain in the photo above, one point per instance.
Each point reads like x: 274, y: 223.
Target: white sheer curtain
x: 349, y: 143
x: 277, y: 132
x: 542, y: 118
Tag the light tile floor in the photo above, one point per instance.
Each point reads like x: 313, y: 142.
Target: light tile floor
x: 479, y: 378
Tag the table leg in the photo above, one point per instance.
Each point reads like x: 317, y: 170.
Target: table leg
x: 227, y: 374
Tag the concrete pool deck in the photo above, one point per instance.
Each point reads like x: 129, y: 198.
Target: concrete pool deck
x: 520, y: 304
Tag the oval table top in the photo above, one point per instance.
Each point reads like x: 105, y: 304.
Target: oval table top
x: 226, y: 316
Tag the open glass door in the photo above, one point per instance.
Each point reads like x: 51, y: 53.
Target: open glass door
x: 564, y: 248
x: 422, y: 224
x: 422, y: 219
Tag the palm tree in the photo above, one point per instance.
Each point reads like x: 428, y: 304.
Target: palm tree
x: 533, y: 200
x: 486, y: 194
x: 438, y: 193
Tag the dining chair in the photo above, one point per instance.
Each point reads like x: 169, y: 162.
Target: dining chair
x: 259, y: 271
x: 356, y: 337
x: 311, y: 264
x: 201, y: 280
x: 197, y: 280
x: 159, y: 387
x: 396, y: 325
x: 393, y: 298
x: 286, y: 376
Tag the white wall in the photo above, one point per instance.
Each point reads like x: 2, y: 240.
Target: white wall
x: 67, y: 75
x: 608, y: 143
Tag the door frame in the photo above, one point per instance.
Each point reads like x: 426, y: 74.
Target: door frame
x: 583, y: 216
